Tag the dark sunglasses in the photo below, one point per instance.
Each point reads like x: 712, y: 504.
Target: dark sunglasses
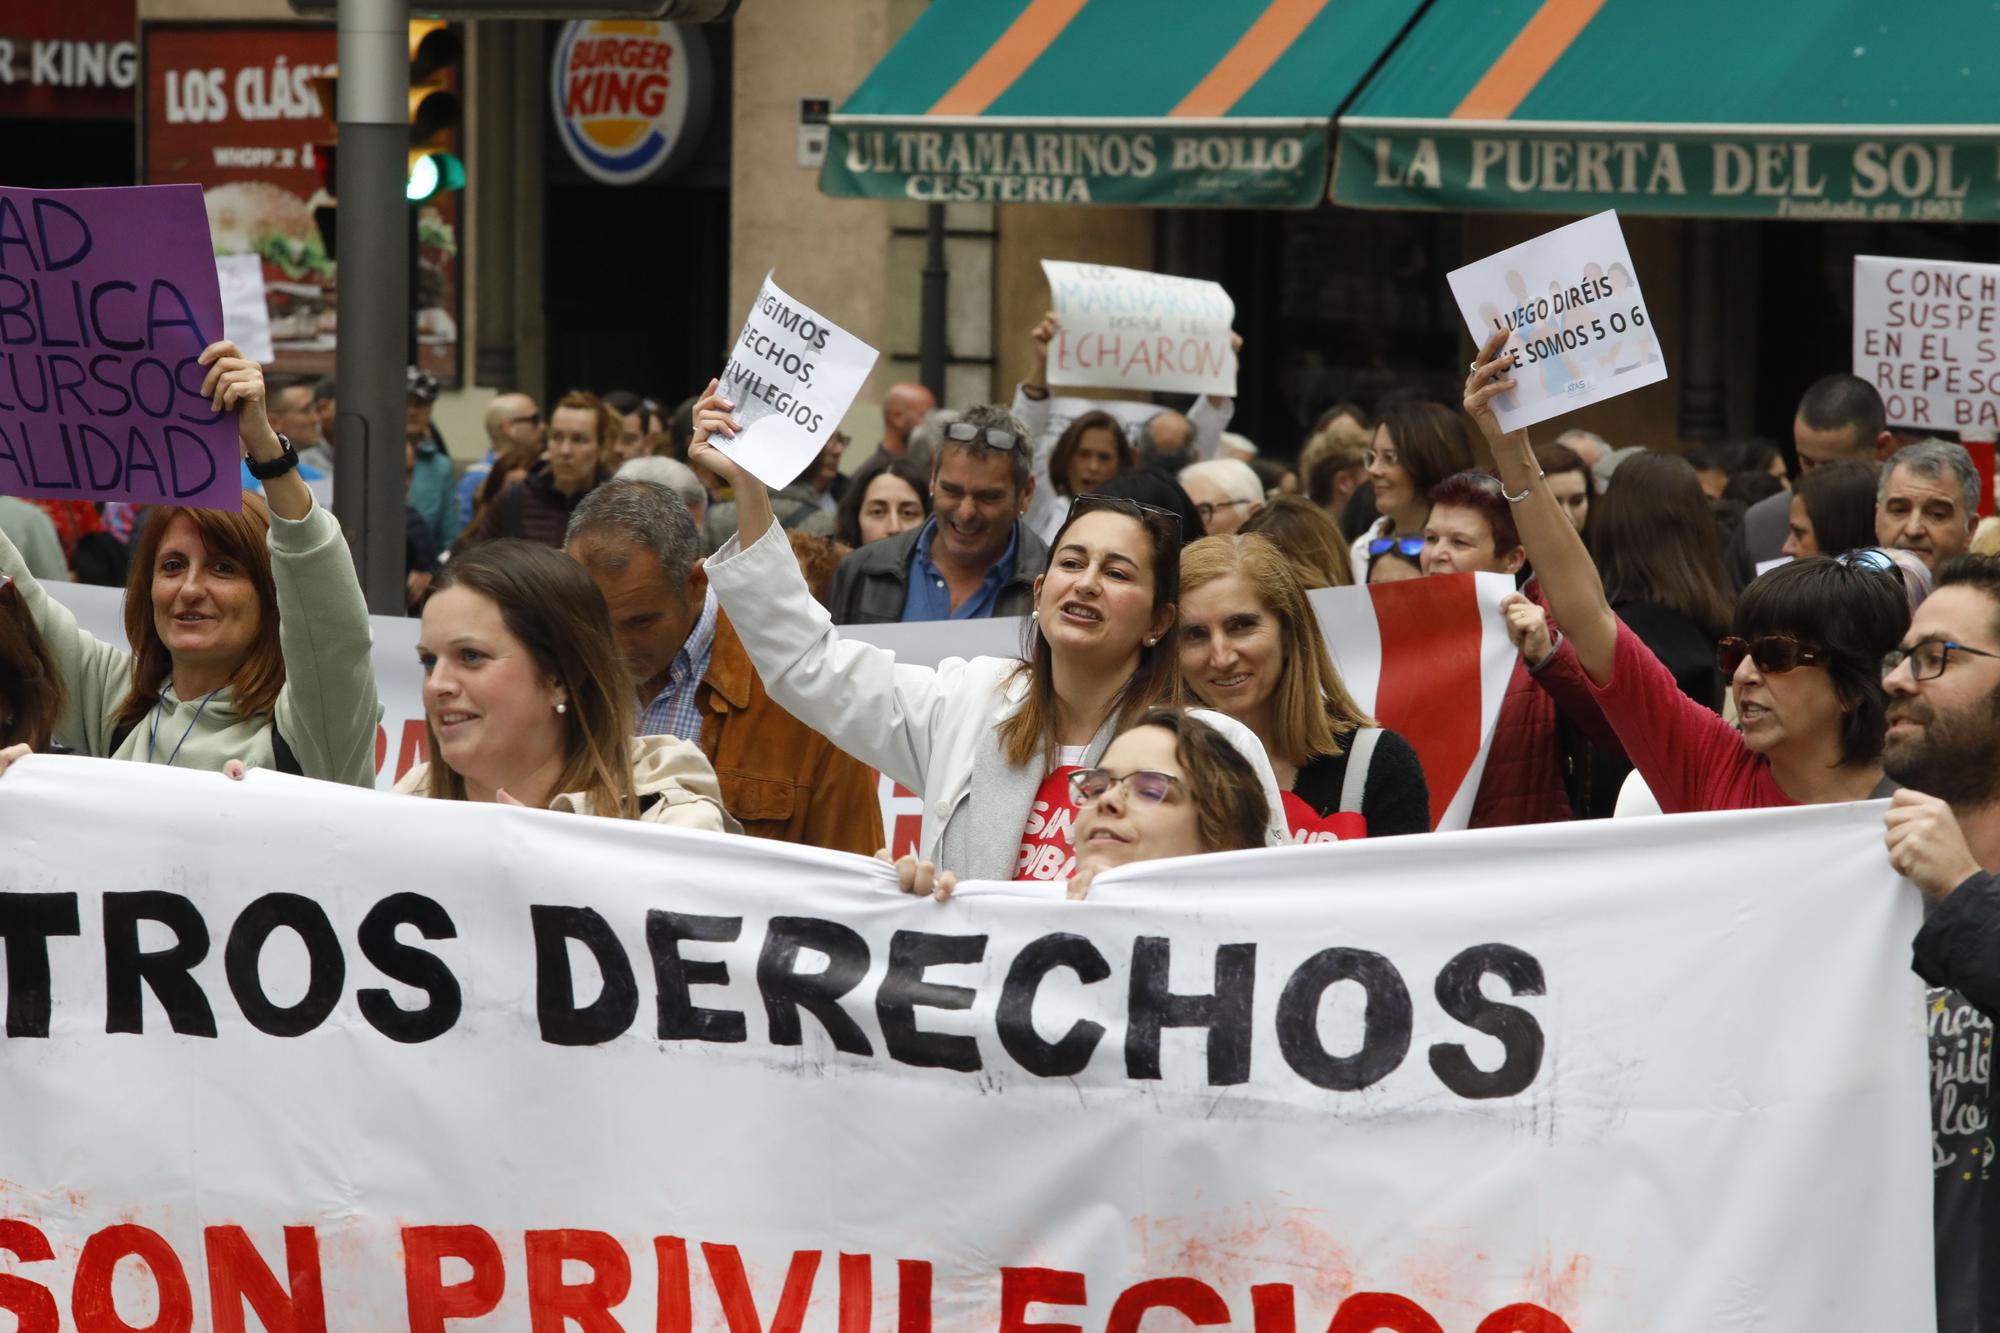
x: 1407, y: 547
x: 1137, y: 510
x: 1868, y: 557
x: 1087, y: 784
x: 1773, y: 654
x: 993, y: 437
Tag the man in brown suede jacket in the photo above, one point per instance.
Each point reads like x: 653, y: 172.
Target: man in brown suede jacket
x: 780, y: 778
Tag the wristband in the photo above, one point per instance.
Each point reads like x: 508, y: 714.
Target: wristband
x: 1555, y: 646
x: 1516, y: 499
x: 277, y: 467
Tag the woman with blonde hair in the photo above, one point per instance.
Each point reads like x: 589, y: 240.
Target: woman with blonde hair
x: 1302, y: 530
x: 1251, y: 648
x: 527, y: 701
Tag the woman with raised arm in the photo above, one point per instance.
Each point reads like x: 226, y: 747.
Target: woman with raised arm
x: 249, y: 635
x: 1803, y: 659
x: 987, y: 743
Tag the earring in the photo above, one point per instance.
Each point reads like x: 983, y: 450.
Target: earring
x: 562, y: 706
x: 1034, y: 615
x: 1151, y: 642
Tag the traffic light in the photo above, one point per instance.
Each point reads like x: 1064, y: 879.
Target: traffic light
x: 435, y: 111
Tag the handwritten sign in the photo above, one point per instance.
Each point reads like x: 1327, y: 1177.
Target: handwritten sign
x: 1575, y: 319
x: 792, y: 375
x: 107, y: 297
x: 1927, y: 334
x: 1122, y: 328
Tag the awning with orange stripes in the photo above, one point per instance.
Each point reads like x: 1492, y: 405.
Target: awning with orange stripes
x: 1740, y: 108
x: 1155, y: 102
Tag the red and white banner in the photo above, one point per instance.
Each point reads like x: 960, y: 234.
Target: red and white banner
x: 329, y: 1060
x: 1428, y: 657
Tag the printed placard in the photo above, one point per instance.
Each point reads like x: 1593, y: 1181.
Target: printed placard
x: 1575, y: 319
x: 107, y: 298
x: 1927, y: 334
x: 1127, y: 329
x: 792, y: 375
x: 246, y: 314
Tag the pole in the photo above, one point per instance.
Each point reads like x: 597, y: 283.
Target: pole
x: 372, y: 399
x: 937, y: 278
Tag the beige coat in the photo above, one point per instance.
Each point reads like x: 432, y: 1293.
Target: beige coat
x: 663, y: 767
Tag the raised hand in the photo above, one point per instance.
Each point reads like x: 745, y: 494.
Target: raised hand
x: 1528, y: 627
x: 1487, y: 382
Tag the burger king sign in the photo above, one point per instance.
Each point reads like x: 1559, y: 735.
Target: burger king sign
x: 631, y: 96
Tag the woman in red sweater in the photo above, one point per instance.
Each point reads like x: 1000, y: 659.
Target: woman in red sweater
x: 1803, y: 660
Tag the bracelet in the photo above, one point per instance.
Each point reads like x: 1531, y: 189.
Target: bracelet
x: 1516, y: 499
x: 1555, y: 646
x: 1034, y: 393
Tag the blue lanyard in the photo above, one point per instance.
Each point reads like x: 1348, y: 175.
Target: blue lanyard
x: 154, y: 734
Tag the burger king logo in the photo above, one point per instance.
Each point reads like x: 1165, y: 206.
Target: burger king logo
x: 630, y: 96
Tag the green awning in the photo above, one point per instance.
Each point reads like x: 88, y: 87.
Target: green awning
x: 1155, y: 102
x: 1739, y: 108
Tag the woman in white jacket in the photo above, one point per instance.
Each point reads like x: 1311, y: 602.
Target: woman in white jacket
x: 988, y: 743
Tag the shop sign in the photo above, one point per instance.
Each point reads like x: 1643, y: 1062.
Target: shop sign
x: 1849, y: 178
x: 62, y: 59
x: 1155, y: 164
x: 631, y: 98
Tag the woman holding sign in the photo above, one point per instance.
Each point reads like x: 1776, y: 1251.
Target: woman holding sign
x: 1804, y: 657
x: 987, y: 743
x: 249, y: 635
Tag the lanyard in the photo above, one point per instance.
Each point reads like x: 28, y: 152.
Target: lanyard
x: 154, y: 735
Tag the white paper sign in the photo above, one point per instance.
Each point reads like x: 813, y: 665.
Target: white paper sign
x: 246, y: 313
x: 1576, y: 321
x: 1927, y: 334
x: 367, y: 1063
x: 792, y: 375
x: 1126, y: 329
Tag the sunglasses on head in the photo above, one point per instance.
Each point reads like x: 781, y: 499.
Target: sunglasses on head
x: 1138, y: 510
x: 1407, y: 547
x: 993, y: 437
x: 1773, y: 653
x: 1087, y: 784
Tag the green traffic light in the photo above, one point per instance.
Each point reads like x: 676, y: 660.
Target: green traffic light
x: 434, y: 174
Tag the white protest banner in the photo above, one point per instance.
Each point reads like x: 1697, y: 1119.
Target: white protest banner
x: 490, y: 1068
x: 246, y: 310
x: 1127, y: 329
x: 1576, y: 321
x: 792, y: 375
x: 1428, y: 657
x: 1927, y: 334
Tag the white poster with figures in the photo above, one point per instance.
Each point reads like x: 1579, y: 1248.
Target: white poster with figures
x: 1927, y: 334
x: 1576, y: 322
x: 792, y: 375
x: 1126, y: 329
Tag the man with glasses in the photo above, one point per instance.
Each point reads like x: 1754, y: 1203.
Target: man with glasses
x: 513, y: 422
x: 1225, y: 493
x: 1943, y: 744
x: 974, y: 557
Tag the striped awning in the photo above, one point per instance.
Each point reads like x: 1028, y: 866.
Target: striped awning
x: 1852, y: 109
x: 1154, y: 102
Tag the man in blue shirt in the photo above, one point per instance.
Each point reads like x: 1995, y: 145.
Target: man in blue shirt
x: 974, y: 557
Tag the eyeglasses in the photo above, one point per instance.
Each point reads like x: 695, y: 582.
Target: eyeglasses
x: 1137, y: 510
x: 1407, y: 547
x: 1386, y: 457
x: 1774, y: 654
x: 1928, y: 659
x: 993, y: 437
x: 532, y: 419
x: 1087, y: 784
x: 1207, y: 511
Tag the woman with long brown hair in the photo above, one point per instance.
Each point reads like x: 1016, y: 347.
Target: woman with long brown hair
x: 1251, y: 647
x: 526, y: 699
x: 32, y: 696
x: 249, y: 636
x: 1416, y: 446
x: 988, y: 743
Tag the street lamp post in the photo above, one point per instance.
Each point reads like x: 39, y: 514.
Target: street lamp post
x: 372, y: 396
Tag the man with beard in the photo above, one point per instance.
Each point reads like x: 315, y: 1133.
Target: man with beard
x: 1943, y: 744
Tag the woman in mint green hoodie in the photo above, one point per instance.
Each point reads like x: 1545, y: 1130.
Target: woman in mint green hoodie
x: 249, y: 633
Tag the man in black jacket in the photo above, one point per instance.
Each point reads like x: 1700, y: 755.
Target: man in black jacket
x: 1943, y: 744
x: 974, y: 557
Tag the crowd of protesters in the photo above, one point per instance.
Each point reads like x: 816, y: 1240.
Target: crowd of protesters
x: 618, y: 620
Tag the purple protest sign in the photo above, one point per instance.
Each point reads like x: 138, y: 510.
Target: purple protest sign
x: 107, y: 297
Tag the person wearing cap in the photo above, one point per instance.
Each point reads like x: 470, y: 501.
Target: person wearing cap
x: 974, y: 557
x: 432, y: 494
